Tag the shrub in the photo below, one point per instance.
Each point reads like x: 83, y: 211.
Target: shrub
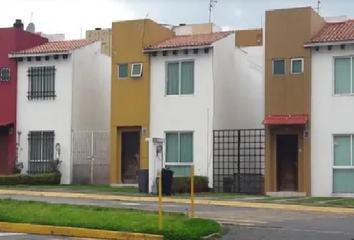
x: 31, y: 179
x: 183, y: 184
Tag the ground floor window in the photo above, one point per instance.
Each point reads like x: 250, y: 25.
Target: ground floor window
x: 343, y: 164
x: 179, y: 152
x: 40, y: 151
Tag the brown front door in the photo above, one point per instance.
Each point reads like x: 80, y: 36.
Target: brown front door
x: 287, y: 155
x: 4, y: 147
x: 130, y: 156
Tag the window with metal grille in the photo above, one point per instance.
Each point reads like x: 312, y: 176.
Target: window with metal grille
x: 40, y: 151
x: 41, y: 82
x: 5, y: 75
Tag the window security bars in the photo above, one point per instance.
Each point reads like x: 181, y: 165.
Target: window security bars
x: 40, y: 152
x: 41, y: 82
x: 238, y: 161
x: 5, y: 75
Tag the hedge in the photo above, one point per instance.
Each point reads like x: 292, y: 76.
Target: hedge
x: 183, y: 184
x: 31, y: 179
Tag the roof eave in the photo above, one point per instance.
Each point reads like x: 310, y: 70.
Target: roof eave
x: 178, y: 48
x: 15, y: 55
x: 336, y: 43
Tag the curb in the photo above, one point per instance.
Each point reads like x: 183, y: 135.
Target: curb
x: 75, y: 232
x: 337, y: 210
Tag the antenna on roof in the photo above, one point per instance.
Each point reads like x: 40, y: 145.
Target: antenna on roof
x: 211, y: 5
x: 318, y: 6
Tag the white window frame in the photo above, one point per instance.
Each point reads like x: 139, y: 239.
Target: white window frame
x: 276, y: 59
x: 5, y: 80
x: 351, y: 135
x: 334, y: 76
x: 302, y: 65
x: 179, y: 77
x: 141, y: 70
x: 165, y: 150
x: 119, y: 70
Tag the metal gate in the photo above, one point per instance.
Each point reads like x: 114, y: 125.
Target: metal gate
x: 238, y: 161
x: 91, y: 157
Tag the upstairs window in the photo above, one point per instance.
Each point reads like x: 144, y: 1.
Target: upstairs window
x: 41, y: 82
x: 5, y: 75
x: 343, y: 76
x: 137, y: 70
x: 180, y: 78
x: 122, y: 70
x: 297, y: 65
x: 279, y: 66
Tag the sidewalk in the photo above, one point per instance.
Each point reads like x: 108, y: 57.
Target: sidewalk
x: 135, y: 198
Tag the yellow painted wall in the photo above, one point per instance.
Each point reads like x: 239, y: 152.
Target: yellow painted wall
x: 130, y: 98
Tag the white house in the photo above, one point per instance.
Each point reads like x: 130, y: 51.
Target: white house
x: 194, y: 85
x: 63, y: 87
x: 332, y: 115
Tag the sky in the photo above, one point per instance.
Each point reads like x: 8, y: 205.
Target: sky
x: 74, y: 17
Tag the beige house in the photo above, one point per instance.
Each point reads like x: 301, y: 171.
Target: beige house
x: 103, y: 35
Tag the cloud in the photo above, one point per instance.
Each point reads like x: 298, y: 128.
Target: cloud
x: 238, y: 13
x: 66, y: 16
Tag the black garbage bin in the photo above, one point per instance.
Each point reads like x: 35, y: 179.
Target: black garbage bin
x: 143, y: 180
x: 167, y: 181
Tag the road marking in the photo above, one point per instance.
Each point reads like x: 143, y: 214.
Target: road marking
x: 130, y: 204
x: 11, y: 234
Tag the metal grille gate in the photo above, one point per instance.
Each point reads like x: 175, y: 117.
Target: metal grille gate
x: 238, y: 161
x: 91, y: 157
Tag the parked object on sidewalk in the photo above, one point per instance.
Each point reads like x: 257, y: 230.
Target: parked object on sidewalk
x: 167, y: 181
x: 143, y: 180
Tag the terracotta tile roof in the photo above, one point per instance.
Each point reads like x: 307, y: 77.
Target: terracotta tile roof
x: 56, y: 47
x: 335, y: 32
x: 285, y: 119
x: 181, y: 41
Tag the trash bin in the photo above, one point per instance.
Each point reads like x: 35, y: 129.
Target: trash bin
x: 143, y: 180
x: 167, y: 181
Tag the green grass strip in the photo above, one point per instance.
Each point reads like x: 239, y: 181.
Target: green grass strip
x: 176, y: 226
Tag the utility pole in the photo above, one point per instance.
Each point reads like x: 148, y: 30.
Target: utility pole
x: 318, y: 6
x: 211, y: 5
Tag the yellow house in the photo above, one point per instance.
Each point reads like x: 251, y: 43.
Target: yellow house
x: 130, y: 96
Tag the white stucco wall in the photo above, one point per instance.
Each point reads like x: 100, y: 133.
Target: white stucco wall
x: 185, y: 113
x: 91, y: 89
x: 329, y: 115
x: 52, y: 115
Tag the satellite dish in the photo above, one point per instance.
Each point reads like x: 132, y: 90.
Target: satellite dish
x: 31, y: 28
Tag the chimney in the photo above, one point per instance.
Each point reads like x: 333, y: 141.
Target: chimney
x: 18, y: 24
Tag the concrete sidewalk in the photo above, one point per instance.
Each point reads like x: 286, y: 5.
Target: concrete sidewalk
x: 243, y: 204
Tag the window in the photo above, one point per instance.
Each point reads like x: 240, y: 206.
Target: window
x: 123, y: 70
x: 343, y: 164
x: 137, y: 69
x: 279, y: 67
x: 343, y: 75
x: 180, y: 78
x: 40, y: 151
x: 179, y: 152
x: 41, y: 82
x: 5, y: 75
x: 297, y: 65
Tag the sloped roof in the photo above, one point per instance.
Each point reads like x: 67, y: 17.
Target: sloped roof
x: 181, y: 41
x: 55, y: 47
x: 335, y: 32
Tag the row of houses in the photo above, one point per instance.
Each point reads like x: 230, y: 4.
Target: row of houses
x: 264, y: 109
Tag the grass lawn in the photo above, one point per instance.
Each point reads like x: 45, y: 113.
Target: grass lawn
x: 176, y: 226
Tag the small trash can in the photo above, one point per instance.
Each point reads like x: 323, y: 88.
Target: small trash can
x: 143, y: 180
x: 167, y: 181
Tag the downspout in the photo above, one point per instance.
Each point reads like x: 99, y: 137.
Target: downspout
x: 72, y: 117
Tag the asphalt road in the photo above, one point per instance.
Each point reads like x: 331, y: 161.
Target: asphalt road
x: 242, y: 223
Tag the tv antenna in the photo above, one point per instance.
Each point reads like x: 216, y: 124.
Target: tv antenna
x: 211, y: 5
x: 318, y: 6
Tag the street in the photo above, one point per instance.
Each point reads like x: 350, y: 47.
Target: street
x: 242, y: 223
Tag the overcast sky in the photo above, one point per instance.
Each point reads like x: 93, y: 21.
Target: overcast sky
x: 72, y: 16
